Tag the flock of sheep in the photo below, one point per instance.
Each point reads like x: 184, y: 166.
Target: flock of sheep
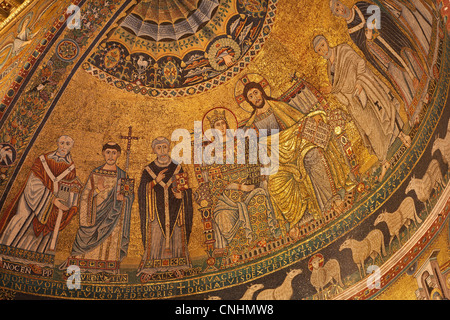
x: 373, y: 245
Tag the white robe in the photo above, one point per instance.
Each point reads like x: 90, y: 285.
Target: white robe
x: 19, y: 233
x: 374, y: 111
x: 36, y: 202
x: 21, y: 40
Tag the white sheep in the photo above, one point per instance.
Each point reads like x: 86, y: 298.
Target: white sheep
x: 443, y: 145
x: 248, y: 295
x: 429, y: 182
x: 372, y: 246
x: 284, y: 291
x: 396, y: 220
x: 321, y: 276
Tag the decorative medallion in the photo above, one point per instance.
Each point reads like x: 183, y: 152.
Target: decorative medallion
x: 67, y: 50
x: 195, y: 48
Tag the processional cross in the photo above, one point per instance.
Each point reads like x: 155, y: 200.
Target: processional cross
x: 129, y: 138
x: 127, y: 185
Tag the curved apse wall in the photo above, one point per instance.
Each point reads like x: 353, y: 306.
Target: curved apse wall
x: 225, y: 149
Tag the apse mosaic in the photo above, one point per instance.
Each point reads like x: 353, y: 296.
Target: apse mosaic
x: 225, y: 150
x: 186, y: 48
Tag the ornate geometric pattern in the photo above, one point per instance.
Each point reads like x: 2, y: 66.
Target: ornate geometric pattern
x: 147, y: 68
x: 67, y: 50
x: 265, y: 261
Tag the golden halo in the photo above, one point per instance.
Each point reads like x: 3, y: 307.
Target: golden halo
x: 229, y: 115
x: 314, y: 257
x: 239, y: 89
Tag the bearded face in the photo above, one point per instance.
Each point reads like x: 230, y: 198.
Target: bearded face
x: 162, y: 152
x: 256, y: 98
x: 339, y: 9
x: 65, y: 144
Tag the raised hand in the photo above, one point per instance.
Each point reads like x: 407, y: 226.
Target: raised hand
x: 161, y: 176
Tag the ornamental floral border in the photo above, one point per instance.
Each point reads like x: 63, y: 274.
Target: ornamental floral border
x: 200, y: 87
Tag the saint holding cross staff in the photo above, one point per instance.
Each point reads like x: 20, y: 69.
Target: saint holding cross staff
x: 127, y: 185
x: 103, y: 237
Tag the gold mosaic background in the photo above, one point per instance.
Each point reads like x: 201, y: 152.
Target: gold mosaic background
x: 93, y: 113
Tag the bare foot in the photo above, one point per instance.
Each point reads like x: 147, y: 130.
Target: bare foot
x: 384, y: 170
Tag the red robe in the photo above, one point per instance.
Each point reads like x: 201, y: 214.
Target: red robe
x: 38, y: 170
